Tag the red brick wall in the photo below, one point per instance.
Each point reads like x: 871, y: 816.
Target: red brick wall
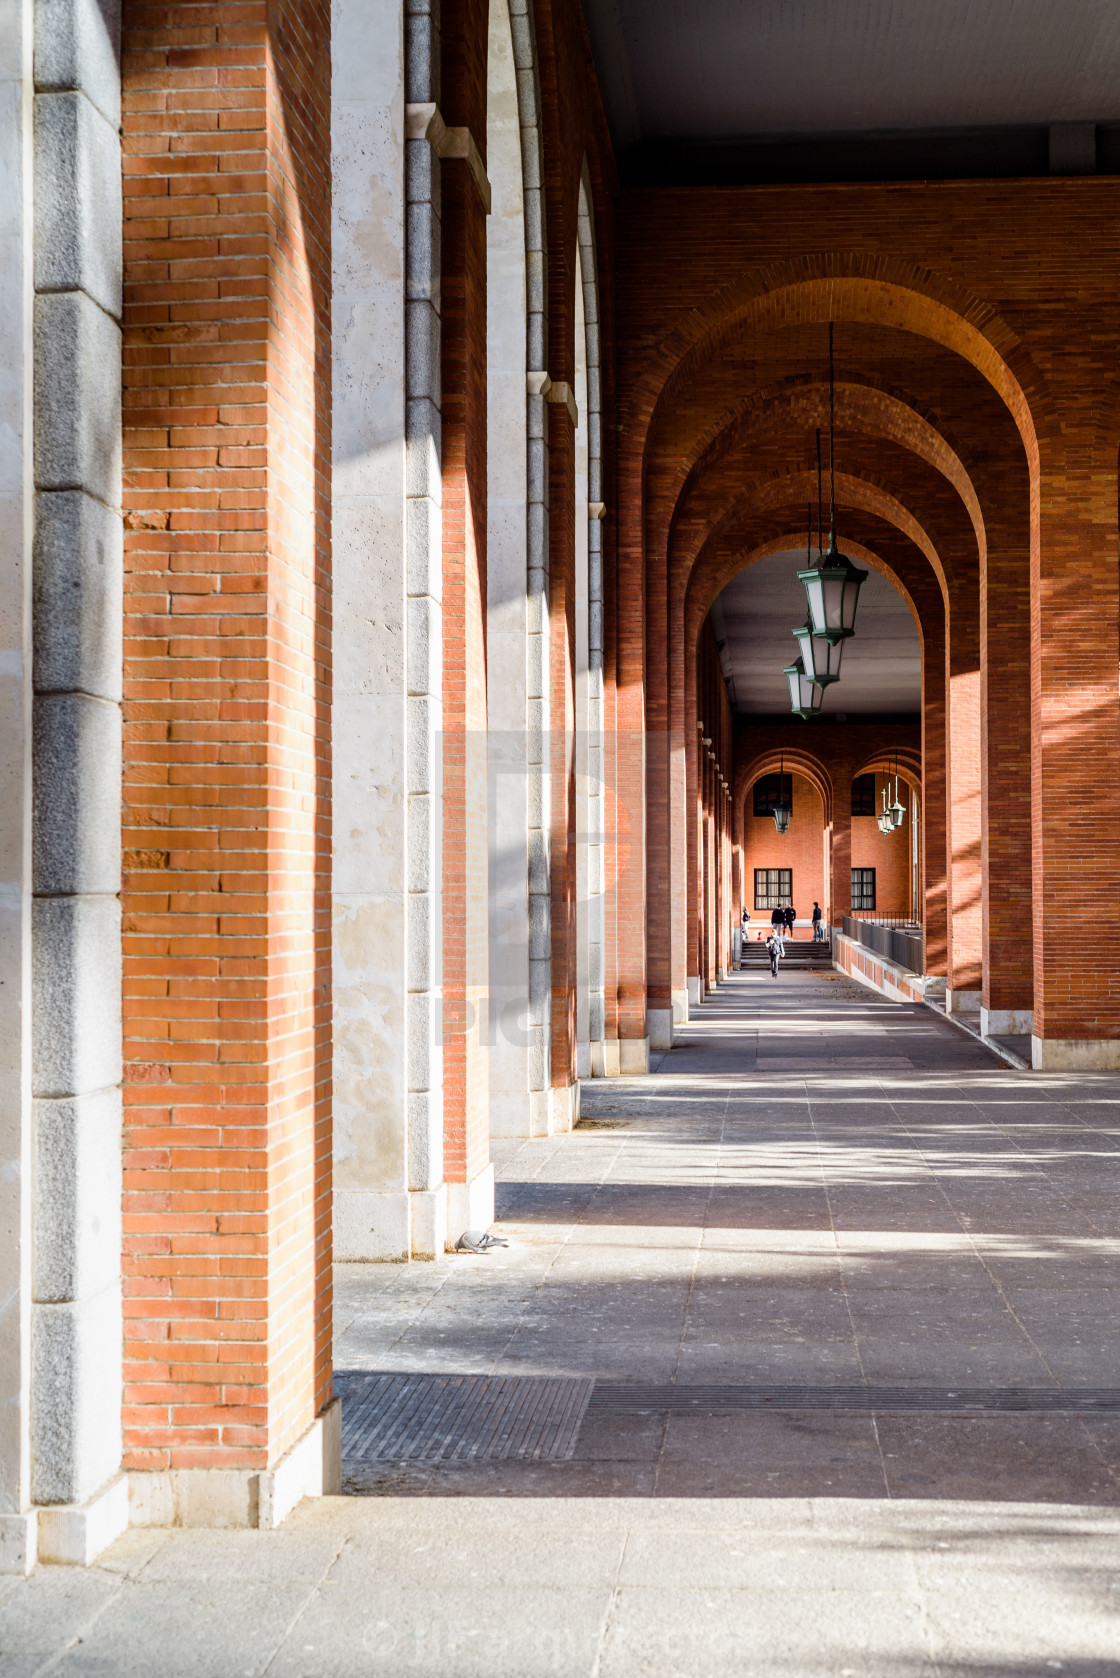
x: 801, y: 848
x: 227, y: 716
x: 888, y: 854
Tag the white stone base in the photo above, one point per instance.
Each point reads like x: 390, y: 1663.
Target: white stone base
x: 312, y: 1468
x: 511, y: 1113
x: 229, y: 1497
x: 19, y: 1542
x: 76, y: 1533
x: 563, y: 1109
x: 680, y: 1007
x: 604, y: 1058
x: 694, y: 996
x: 633, y: 1057
x: 370, y: 1226
x: 583, y: 1060
x: 429, y: 1222
x: 389, y: 1228
x: 659, y: 1022
x: 470, y: 1205
x: 1006, y: 1022
x: 540, y: 1112
x: 962, y: 1001
x: 1075, y: 1054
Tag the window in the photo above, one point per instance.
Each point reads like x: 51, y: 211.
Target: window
x: 863, y: 796
x: 773, y: 887
x: 766, y: 791
x: 863, y: 888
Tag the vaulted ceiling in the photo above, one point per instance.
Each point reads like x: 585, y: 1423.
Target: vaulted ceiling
x: 803, y: 70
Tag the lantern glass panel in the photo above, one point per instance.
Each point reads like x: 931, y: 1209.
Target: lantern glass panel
x: 804, y: 694
x: 814, y: 594
x: 820, y: 655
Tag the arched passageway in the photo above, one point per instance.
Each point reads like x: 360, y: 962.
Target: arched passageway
x: 408, y: 463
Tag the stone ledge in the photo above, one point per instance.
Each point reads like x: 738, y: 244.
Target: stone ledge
x: 76, y: 1534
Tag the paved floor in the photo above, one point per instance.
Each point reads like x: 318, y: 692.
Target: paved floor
x: 721, y: 1367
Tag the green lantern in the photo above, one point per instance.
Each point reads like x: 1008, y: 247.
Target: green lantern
x: 805, y: 694
x: 832, y: 585
x: 820, y: 654
x: 783, y: 808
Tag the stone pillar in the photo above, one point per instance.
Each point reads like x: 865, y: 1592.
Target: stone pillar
x: 18, y: 1524
x: 76, y: 1379
x: 507, y: 563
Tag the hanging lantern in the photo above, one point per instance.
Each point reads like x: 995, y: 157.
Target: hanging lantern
x: 783, y: 807
x: 897, y: 810
x: 805, y: 694
x: 820, y: 655
x: 832, y: 585
x: 884, y: 818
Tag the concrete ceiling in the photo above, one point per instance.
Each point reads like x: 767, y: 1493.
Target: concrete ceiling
x: 755, y: 614
x: 723, y: 69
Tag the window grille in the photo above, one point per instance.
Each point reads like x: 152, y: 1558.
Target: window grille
x: 767, y: 790
x: 773, y: 887
x: 863, y: 889
x: 863, y: 796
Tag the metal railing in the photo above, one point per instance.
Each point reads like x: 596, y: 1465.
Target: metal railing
x: 890, y: 936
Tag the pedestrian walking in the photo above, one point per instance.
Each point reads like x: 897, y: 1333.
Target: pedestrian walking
x: 791, y: 917
x: 774, y: 949
x: 818, y: 930
x: 778, y: 922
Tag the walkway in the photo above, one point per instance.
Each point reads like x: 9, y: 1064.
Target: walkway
x: 801, y: 1360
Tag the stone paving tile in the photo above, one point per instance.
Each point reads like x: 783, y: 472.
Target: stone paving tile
x: 831, y: 1221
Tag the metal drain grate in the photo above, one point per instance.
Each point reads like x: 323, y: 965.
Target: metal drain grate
x: 621, y: 1398
x: 459, y: 1418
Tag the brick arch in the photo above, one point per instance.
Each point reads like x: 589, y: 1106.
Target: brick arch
x: 908, y: 764
x: 858, y: 551
x: 799, y: 761
x: 865, y: 408
x: 854, y: 286
x: 711, y: 573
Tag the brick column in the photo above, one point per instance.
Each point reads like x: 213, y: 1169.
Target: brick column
x: 1005, y: 744
x: 934, y: 871
x: 840, y: 841
x: 1075, y: 762
x: 962, y: 809
x: 465, y: 916
x: 227, y: 831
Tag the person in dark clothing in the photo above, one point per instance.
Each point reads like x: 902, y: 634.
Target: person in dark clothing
x: 791, y: 916
x: 818, y: 935
x: 774, y: 948
x: 778, y: 922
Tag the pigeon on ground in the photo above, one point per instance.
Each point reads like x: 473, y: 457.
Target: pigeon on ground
x: 478, y: 1241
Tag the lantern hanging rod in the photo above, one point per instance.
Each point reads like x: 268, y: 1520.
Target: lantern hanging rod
x: 831, y: 443
x: 820, y: 501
